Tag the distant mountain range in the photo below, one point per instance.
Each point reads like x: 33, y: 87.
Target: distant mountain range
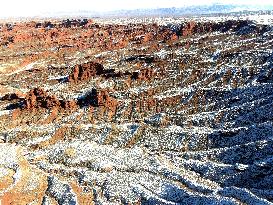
x: 173, y: 11
x: 189, y: 10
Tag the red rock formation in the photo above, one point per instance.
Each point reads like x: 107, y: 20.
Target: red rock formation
x: 85, y: 71
x: 108, y: 103
x: 38, y: 98
x: 104, y: 99
x: 188, y: 29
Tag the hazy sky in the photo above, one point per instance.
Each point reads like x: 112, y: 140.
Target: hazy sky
x: 15, y: 8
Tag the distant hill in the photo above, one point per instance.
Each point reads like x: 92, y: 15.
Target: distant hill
x: 190, y: 10
x: 173, y: 11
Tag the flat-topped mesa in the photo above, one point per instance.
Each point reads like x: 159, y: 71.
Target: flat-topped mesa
x: 85, y: 71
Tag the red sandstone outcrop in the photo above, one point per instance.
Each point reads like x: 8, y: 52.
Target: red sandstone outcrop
x: 102, y: 100
x: 71, y: 35
x: 38, y: 98
x: 109, y: 104
x: 99, y: 98
x: 85, y: 71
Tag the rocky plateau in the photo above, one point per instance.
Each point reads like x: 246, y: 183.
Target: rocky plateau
x: 168, y: 111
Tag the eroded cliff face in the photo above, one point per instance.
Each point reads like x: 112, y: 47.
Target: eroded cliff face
x: 141, y: 113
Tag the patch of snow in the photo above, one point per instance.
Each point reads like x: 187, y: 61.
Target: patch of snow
x: 5, y: 112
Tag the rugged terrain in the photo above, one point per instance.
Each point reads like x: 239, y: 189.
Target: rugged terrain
x: 160, y: 111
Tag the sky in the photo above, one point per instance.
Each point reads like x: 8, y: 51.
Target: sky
x: 15, y: 8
